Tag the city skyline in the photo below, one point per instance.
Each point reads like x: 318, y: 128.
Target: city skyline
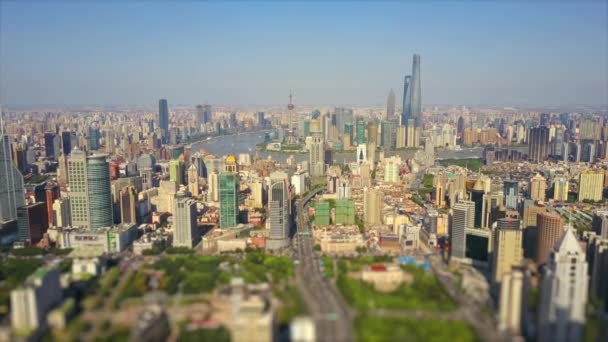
x: 101, y: 54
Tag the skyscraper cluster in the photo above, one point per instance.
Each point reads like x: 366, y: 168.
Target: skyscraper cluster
x: 411, y: 117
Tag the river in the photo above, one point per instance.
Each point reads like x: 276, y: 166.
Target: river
x: 246, y: 142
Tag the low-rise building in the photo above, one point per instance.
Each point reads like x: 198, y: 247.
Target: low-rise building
x: 102, y: 240
x: 385, y: 278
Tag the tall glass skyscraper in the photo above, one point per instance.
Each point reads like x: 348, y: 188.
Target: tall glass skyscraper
x: 412, y: 96
x: 90, y: 192
x: 278, y: 210
x: 163, y: 115
x: 11, y: 184
x: 94, y: 138
x: 511, y: 192
x: 405, y: 111
x: 229, y: 199
x: 390, y: 104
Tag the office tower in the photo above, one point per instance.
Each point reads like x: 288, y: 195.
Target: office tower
x: 19, y: 157
x: 550, y: 230
x: 147, y: 180
x: 257, y: 194
x: 128, y: 200
x: 344, y: 117
x: 278, y: 209
x: 490, y: 202
x: 538, y: 147
x: 545, y: 119
x: 599, y: 223
x: 316, y: 157
x: 511, y: 193
x: 415, y: 92
x: 405, y: 108
x: 344, y: 189
x: 430, y: 221
x: 52, y: 193
x: 61, y: 213
x: 163, y: 116
x: 213, y: 192
x: 476, y: 196
x: 597, y: 256
x: 391, y: 171
x: 193, y: 185
x: 372, y: 134
x: 361, y: 153
x: 590, y: 129
x: 261, y: 121
x: 560, y: 189
x: 386, y: 136
x: 557, y: 146
x: 563, y: 292
x: 510, y: 303
x: 507, y: 248
x: 32, y: 222
x: 200, y: 118
x: 372, y: 206
x: 199, y: 162
x: 412, y: 134
x: 185, y: 232
x: 51, y: 147
x: 207, y: 114
x: 176, y: 171
x: 463, y: 218
x: 390, y: 104
x: 68, y: 142
x: 31, y: 301
x: 360, y: 131
x: 591, y: 185
x: 90, y: 190
x: 110, y: 142
x: 229, y: 199
x: 538, y: 187
x: 11, y: 186
x: 588, y: 152
x: 94, y: 138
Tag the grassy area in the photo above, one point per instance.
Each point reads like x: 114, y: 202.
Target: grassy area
x: 72, y: 332
x: 220, y: 334
x: 115, y: 334
x: 328, y: 266
x: 374, y: 329
x: 292, y: 304
x: 473, y: 164
x: 259, y: 267
x: 424, y: 293
x: 196, y: 274
x: 416, y: 199
x: 427, y: 181
x: 13, y: 272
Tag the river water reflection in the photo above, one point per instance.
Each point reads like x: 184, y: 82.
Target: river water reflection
x: 246, y: 143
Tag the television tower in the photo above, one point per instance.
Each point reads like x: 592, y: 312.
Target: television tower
x: 291, y: 136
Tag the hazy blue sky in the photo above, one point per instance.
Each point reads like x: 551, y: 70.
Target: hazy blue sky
x: 552, y: 53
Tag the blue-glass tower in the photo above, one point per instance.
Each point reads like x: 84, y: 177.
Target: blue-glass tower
x: 163, y: 115
x: 412, y: 95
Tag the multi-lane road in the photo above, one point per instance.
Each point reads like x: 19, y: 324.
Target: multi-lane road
x: 332, y: 316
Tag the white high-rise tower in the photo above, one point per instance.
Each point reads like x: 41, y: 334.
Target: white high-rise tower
x: 564, y: 292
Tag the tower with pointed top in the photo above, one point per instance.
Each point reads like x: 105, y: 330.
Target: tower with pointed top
x: 291, y: 134
x: 564, y: 292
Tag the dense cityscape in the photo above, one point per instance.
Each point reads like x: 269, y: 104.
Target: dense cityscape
x: 287, y: 222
